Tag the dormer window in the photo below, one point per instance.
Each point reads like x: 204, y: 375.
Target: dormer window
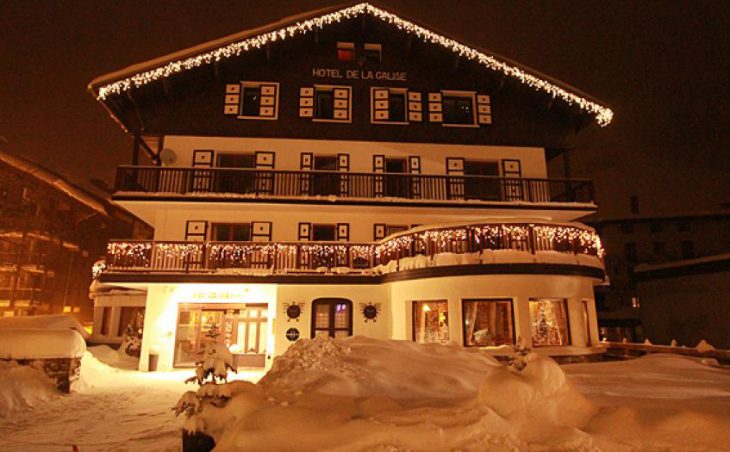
x: 346, y: 51
x: 458, y: 108
x: 372, y: 53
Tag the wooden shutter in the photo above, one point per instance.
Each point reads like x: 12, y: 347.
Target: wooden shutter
x: 455, y: 168
x: 202, y: 179
x: 342, y: 104
x: 414, y: 167
x: 261, y: 231
x: 380, y: 104
x: 343, y: 232
x: 265, y: 179
x: 435, y: 107
x: 306, y: 162
x: 232, y: 99
x: 343, y: 166
x: 379, y: 230
x: 415, y: 106
x: 306, y: 102
x: 512, y: 171
x: 378, y: 167
x: 305, y: 231
x: 484, y: 109
x: 196, y: 230
x: 268, y: 107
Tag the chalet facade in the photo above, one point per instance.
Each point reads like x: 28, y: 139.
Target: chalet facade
x: 348, y: 172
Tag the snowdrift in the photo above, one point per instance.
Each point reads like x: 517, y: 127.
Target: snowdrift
x: 364, y: 394
x: 23, y: 387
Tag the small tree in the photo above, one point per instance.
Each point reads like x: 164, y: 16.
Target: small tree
x: 132, y: 343
x: 211, y: 374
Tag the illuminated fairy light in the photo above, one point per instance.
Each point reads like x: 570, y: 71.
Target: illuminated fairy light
x: 603, y: 114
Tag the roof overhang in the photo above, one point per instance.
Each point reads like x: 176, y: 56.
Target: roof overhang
x: 232, y: 46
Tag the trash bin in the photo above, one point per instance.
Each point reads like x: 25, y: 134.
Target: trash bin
x: 154, y: 358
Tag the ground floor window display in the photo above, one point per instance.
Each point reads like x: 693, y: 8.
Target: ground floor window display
x: 331, y: 317
x: 431, y: 322
x: 488, y: 323
x: 549, y: 322
x: 244, y: 330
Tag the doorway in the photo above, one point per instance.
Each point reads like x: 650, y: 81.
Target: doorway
x: 236, y: 181
x: 397, y: 185
x: 482, y: 188
x: 325, y: 183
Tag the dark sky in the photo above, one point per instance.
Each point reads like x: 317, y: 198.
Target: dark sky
x: 663, y: 66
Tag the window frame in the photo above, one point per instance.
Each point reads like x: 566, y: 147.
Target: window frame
x: 414, y: 308
x: 331, y: 329
x: 257, y: 84
x: 391, y: 89
x: 464, y: 303
x: 317, y: 88
x: 569, y: 338
x: 465, y: 94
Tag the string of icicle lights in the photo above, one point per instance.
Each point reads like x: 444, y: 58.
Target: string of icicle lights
x: 603, y: 114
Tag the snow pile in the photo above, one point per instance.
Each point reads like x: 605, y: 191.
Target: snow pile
x: 398, y: 395
x: 114, y: 358
x: 33, y: 343
x: 95, y: 373
x: 23, y: 387
x: 704, y: 347
x: 49, y: 322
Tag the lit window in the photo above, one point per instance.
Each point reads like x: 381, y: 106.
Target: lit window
x: 549, y: 320
x: 372, y: 53
x: 431, y: 322
x: 488, y: 323
x: 458, y: 109
x: 346, y: 51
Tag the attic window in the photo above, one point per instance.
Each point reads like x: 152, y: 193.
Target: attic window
x: 346, y: 51
x: 372, y: 53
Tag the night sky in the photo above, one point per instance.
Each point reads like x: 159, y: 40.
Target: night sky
x: 663, y: 67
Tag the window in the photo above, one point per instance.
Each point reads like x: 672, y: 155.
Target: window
x: 235, y: 181
x: 332, y: 103
x: 394, y: 229
x: 324, y: 104
x: 655, y: 226
x: 549, y: 320
x: 324, y: 232
x: 372, y: 53
x: 331, y: 317
x: 688, y: 251
x: 683, y: 226
x: 396, y: 184
x: 431, y: 322
x: 252, y: 100
x: 488, y: 323
x: 630, y: 252
x: 325, y: 183
x: 231, y: 232
x: 458, y: 109
x: 634, y: 204
x: 484, y: 188
x: 627, y: 228
x: 658, y: 247
x: 346, y: 51
x: 388, y: 105
x: 131, y: 316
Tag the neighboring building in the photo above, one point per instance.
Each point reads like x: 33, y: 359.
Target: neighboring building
x: 51, y: 232
x: 638, y: 240
x: 348, y: 172
x: 686, y: 300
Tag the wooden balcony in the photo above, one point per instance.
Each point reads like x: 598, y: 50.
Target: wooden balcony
x: 334, y: 185
x: 417, y: 248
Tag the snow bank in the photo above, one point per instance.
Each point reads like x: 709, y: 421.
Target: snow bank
x: 54, y: 322
x: 23, y: 387
x: 114, y: 358
x: 32, y: 343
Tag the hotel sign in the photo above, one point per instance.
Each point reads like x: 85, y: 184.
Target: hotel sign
x: 359, y: 74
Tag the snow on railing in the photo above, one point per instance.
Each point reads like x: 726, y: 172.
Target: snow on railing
x: 284, y: 257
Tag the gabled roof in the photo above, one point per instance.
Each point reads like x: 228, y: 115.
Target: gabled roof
x: 234, y: 45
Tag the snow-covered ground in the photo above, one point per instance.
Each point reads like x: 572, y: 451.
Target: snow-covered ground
x: 409, y: 397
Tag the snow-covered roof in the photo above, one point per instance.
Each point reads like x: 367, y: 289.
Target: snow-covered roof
x: 49, y: 322
x: 234, y: 45
x: 52, y: 179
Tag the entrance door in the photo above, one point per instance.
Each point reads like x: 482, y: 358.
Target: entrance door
x: 236, y: 181
x: 331, y: 317
x: 480, y: 187
x: 325, y: 183
x: 397, y: 185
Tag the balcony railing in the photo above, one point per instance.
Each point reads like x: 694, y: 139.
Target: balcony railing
x: 339, y: 257
x: 297, y: 184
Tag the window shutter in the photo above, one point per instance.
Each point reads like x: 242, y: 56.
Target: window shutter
x: 268, y: 101
x: 201, y: 180
x: 196, y: 230
x: 343, y: 232
x: 233, y: 99
x: 265, y: 179
x: 415, y: 106
x: 261, y: 231
x: 455, y: 167
x: 342, y: 104
x: 306, y: 102
x: 343, y: 165
x: 380, y: 104
x: 378, y: 167
x: 484, y: 109
x: 379, y: 231
x: 435, y: 108
x: 306, y: 160
x: 512, y: 171
x: 305, y: 231
x: 414, y: 167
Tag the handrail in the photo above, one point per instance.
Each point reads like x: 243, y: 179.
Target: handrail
x: 297, y: 183
x: 284, y: 257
